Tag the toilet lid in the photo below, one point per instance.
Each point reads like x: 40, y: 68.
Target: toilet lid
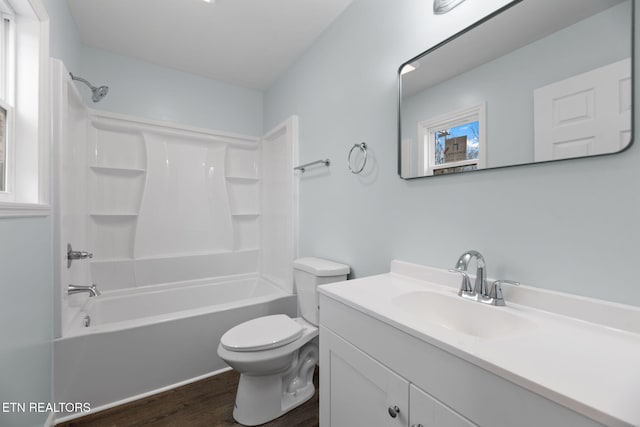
x: 262, y: 333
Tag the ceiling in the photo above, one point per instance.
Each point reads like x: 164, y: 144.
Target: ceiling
x: 247, y: 43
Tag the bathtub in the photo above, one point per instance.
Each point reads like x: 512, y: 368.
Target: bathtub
x: 139, y: 342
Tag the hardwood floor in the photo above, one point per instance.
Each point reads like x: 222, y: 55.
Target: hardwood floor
x: 206, y: 403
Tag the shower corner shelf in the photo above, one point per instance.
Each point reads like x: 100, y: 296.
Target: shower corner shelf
x: 246, y: 249
x: 239, y: 178
x: 245, y: 214
x: 114, y: 214
x: 118, y: 169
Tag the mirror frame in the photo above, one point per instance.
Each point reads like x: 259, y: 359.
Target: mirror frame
x: 477, y: 24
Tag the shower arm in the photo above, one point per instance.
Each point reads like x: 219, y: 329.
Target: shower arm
x: 80, y: 79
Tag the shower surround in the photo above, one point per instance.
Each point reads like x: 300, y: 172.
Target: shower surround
x: 167, y: 205
x: 163, y: 207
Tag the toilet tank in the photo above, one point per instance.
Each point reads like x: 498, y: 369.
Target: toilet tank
x: 308, y: 274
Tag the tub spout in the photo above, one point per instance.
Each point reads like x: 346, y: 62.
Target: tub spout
x: 92, y: 290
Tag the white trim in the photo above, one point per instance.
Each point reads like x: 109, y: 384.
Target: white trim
x: 141, y: 396
x: 51, y: 420
x: 6, y: 193
x: 448, y: 120
x: 18, y: 210
x: 290, y: 128
x: 31, y: 159
x: 44, y: 114
x: 101, y: 117
x: 455, y: 164
x: 8, y: 54
x: 293, y: 122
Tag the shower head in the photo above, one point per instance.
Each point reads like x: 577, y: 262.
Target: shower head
x: 97, y: 92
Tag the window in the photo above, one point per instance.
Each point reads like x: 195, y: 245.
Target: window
x: 7, y: 85
x: 24, y: 108
x: 453, y: 142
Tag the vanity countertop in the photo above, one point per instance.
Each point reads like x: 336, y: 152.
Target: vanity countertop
x: 579, y: 352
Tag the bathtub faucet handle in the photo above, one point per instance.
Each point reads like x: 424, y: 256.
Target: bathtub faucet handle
x: 71, y: 255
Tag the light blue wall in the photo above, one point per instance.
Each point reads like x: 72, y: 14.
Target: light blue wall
x: 507, y: 83
x: 26, y: 281
x: 146, y: 90
x: 26, y: 317
x: 65, y: 44
x: 569, y: 226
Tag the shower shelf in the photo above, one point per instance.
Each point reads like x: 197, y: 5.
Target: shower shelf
x: 246, y: 214
x: 110, y: 169
x: 116, y: 214
x: 243, y: 178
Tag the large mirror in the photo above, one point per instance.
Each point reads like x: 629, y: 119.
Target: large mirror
x: 537, y: 81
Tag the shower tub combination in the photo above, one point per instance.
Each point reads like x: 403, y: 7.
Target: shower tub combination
x: 192, y: 232
x: 142, y: 342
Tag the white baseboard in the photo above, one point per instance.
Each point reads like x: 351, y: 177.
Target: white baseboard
x: 133, y: 398
x: 51, y: 420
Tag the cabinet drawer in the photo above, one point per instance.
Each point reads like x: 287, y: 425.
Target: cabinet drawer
x: 426, y: 411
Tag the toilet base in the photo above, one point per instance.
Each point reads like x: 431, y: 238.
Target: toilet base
x: 262, y: 398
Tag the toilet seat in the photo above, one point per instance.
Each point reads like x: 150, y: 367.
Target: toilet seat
x: 263, y: 333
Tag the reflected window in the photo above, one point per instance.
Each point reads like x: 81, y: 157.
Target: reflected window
x: 454, y: 142
x: 457, y: 144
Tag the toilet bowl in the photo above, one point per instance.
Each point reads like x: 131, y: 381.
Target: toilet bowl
x: 276, y: 355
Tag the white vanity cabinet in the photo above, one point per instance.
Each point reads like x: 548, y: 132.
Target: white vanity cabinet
x: 357, y: 390
x: 368, y: 366
x: 426, y: 411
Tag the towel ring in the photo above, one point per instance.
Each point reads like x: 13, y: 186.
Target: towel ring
x: 363, y: 147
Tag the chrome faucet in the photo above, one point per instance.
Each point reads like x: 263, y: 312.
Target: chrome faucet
x: 480, y: 291
x: 480, y: 286
x: 495, y: 294
x: 92, y: 290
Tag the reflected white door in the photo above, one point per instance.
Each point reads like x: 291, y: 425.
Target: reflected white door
x: 584, y: 115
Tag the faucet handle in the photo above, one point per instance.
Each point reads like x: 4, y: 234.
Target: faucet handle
x: 496, y: 291
x: 465, y: 287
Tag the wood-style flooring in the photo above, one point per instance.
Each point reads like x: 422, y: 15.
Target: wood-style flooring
x: 206, y: 403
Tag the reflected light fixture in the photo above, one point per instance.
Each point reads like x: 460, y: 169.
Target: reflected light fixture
x: 443, y: 6
x: 407, y: 69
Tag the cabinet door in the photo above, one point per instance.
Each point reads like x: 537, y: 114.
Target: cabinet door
x: 356, y: 390
x: 428, y: 412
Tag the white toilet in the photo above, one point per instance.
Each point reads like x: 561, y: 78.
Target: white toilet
x: 276, y: 355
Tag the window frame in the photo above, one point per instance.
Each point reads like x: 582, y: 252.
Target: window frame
x: 7, y: 96
x: 9, y: 158
x: 427, y: 130
x: 28, y: 152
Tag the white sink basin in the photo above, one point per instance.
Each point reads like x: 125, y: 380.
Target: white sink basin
x: 464, y: 316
